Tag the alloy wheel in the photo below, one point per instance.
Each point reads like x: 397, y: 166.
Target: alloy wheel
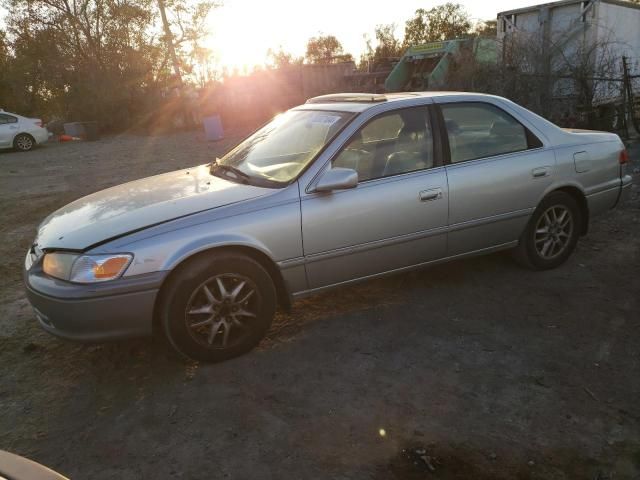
x: 220, y: 310
x: 24, y: 142
x: 553, y: 232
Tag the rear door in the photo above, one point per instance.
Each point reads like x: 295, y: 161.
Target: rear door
x: 497, y: 172
x: 8, y: 129
x: 395, y: 217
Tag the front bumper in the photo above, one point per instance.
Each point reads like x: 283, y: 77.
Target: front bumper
x: 122, y: 308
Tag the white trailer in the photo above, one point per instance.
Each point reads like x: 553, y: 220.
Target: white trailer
x: 607, y: 29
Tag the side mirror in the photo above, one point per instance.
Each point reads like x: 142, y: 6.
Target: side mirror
x: 337, y: 179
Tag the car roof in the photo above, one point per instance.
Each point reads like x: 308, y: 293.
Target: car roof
x: 359, y: 102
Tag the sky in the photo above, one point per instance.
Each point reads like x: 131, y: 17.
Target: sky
x: 243, y: 30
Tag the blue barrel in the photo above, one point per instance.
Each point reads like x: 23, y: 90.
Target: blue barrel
x: 213, y: 128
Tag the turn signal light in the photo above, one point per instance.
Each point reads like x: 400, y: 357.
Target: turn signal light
x: 110, y: 268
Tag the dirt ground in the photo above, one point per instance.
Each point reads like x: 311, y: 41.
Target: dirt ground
x: 476, y: 369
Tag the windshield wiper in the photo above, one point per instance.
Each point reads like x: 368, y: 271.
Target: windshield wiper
x: 236, y: 173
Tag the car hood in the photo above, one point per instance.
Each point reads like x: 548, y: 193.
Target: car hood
x: 139, y: 204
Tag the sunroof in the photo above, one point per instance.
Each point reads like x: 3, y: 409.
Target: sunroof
x: 349, y: 98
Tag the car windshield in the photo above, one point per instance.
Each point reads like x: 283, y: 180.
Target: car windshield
x: 280, y: 150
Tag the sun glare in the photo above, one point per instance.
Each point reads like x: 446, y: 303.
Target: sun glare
x: 240, y: 41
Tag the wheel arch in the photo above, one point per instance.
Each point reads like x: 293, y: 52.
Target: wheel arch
x: 577, y: 193
x: 284, y: 299
x: 581, y: 200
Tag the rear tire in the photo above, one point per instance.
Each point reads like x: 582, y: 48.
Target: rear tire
x: 23, y: 142
x: 217, y: 306
x: 551, y: 234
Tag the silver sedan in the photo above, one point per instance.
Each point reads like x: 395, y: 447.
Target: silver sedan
x: 341, y: 189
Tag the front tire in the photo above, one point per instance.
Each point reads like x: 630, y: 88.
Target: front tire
x: 23, y: 142
x: 217, y: 306
x: 551, y: 234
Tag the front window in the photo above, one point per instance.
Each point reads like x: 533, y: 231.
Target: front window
x: 279, y: 151
x: 391, y: 144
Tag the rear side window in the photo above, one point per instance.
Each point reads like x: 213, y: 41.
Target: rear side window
x: 4, y: 118
x: 478, y: 130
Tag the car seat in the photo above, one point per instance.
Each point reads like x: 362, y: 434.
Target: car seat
x: 411, y: 152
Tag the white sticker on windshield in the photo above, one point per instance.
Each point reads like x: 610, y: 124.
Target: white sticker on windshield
x: 324, y: 119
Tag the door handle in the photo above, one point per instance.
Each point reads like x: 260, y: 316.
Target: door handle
x: 431, y: 194
x: 540, y: 172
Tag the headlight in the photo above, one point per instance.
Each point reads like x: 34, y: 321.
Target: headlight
x: 85, y: 268
x: 58, y: 265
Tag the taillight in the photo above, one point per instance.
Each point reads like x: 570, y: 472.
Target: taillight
x: 39, y: 123
x: 624, y: 157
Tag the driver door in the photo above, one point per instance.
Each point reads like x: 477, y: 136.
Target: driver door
x: 395, y: 217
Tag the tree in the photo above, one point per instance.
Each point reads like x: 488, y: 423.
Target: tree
x: 78, y: 59
x: 443, y: 22
x: 4, y: 51
x: 189, y: 19
x: 487, y: 28
x: 325, y: 49
x: 388, y: 45
x: 203, y: 69
x: 279, y: 58
x: 4, y: 67
x: 95, y: 59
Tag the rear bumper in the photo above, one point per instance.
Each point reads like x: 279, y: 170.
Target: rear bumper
x: 119, y: 309
x: 41, y: 135
x: 625, y: 190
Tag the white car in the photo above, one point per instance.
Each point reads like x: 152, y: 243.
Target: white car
x: 20, y: 132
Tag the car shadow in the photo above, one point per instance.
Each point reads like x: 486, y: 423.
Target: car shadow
x: 396, y: 289
x: 10, y: 151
